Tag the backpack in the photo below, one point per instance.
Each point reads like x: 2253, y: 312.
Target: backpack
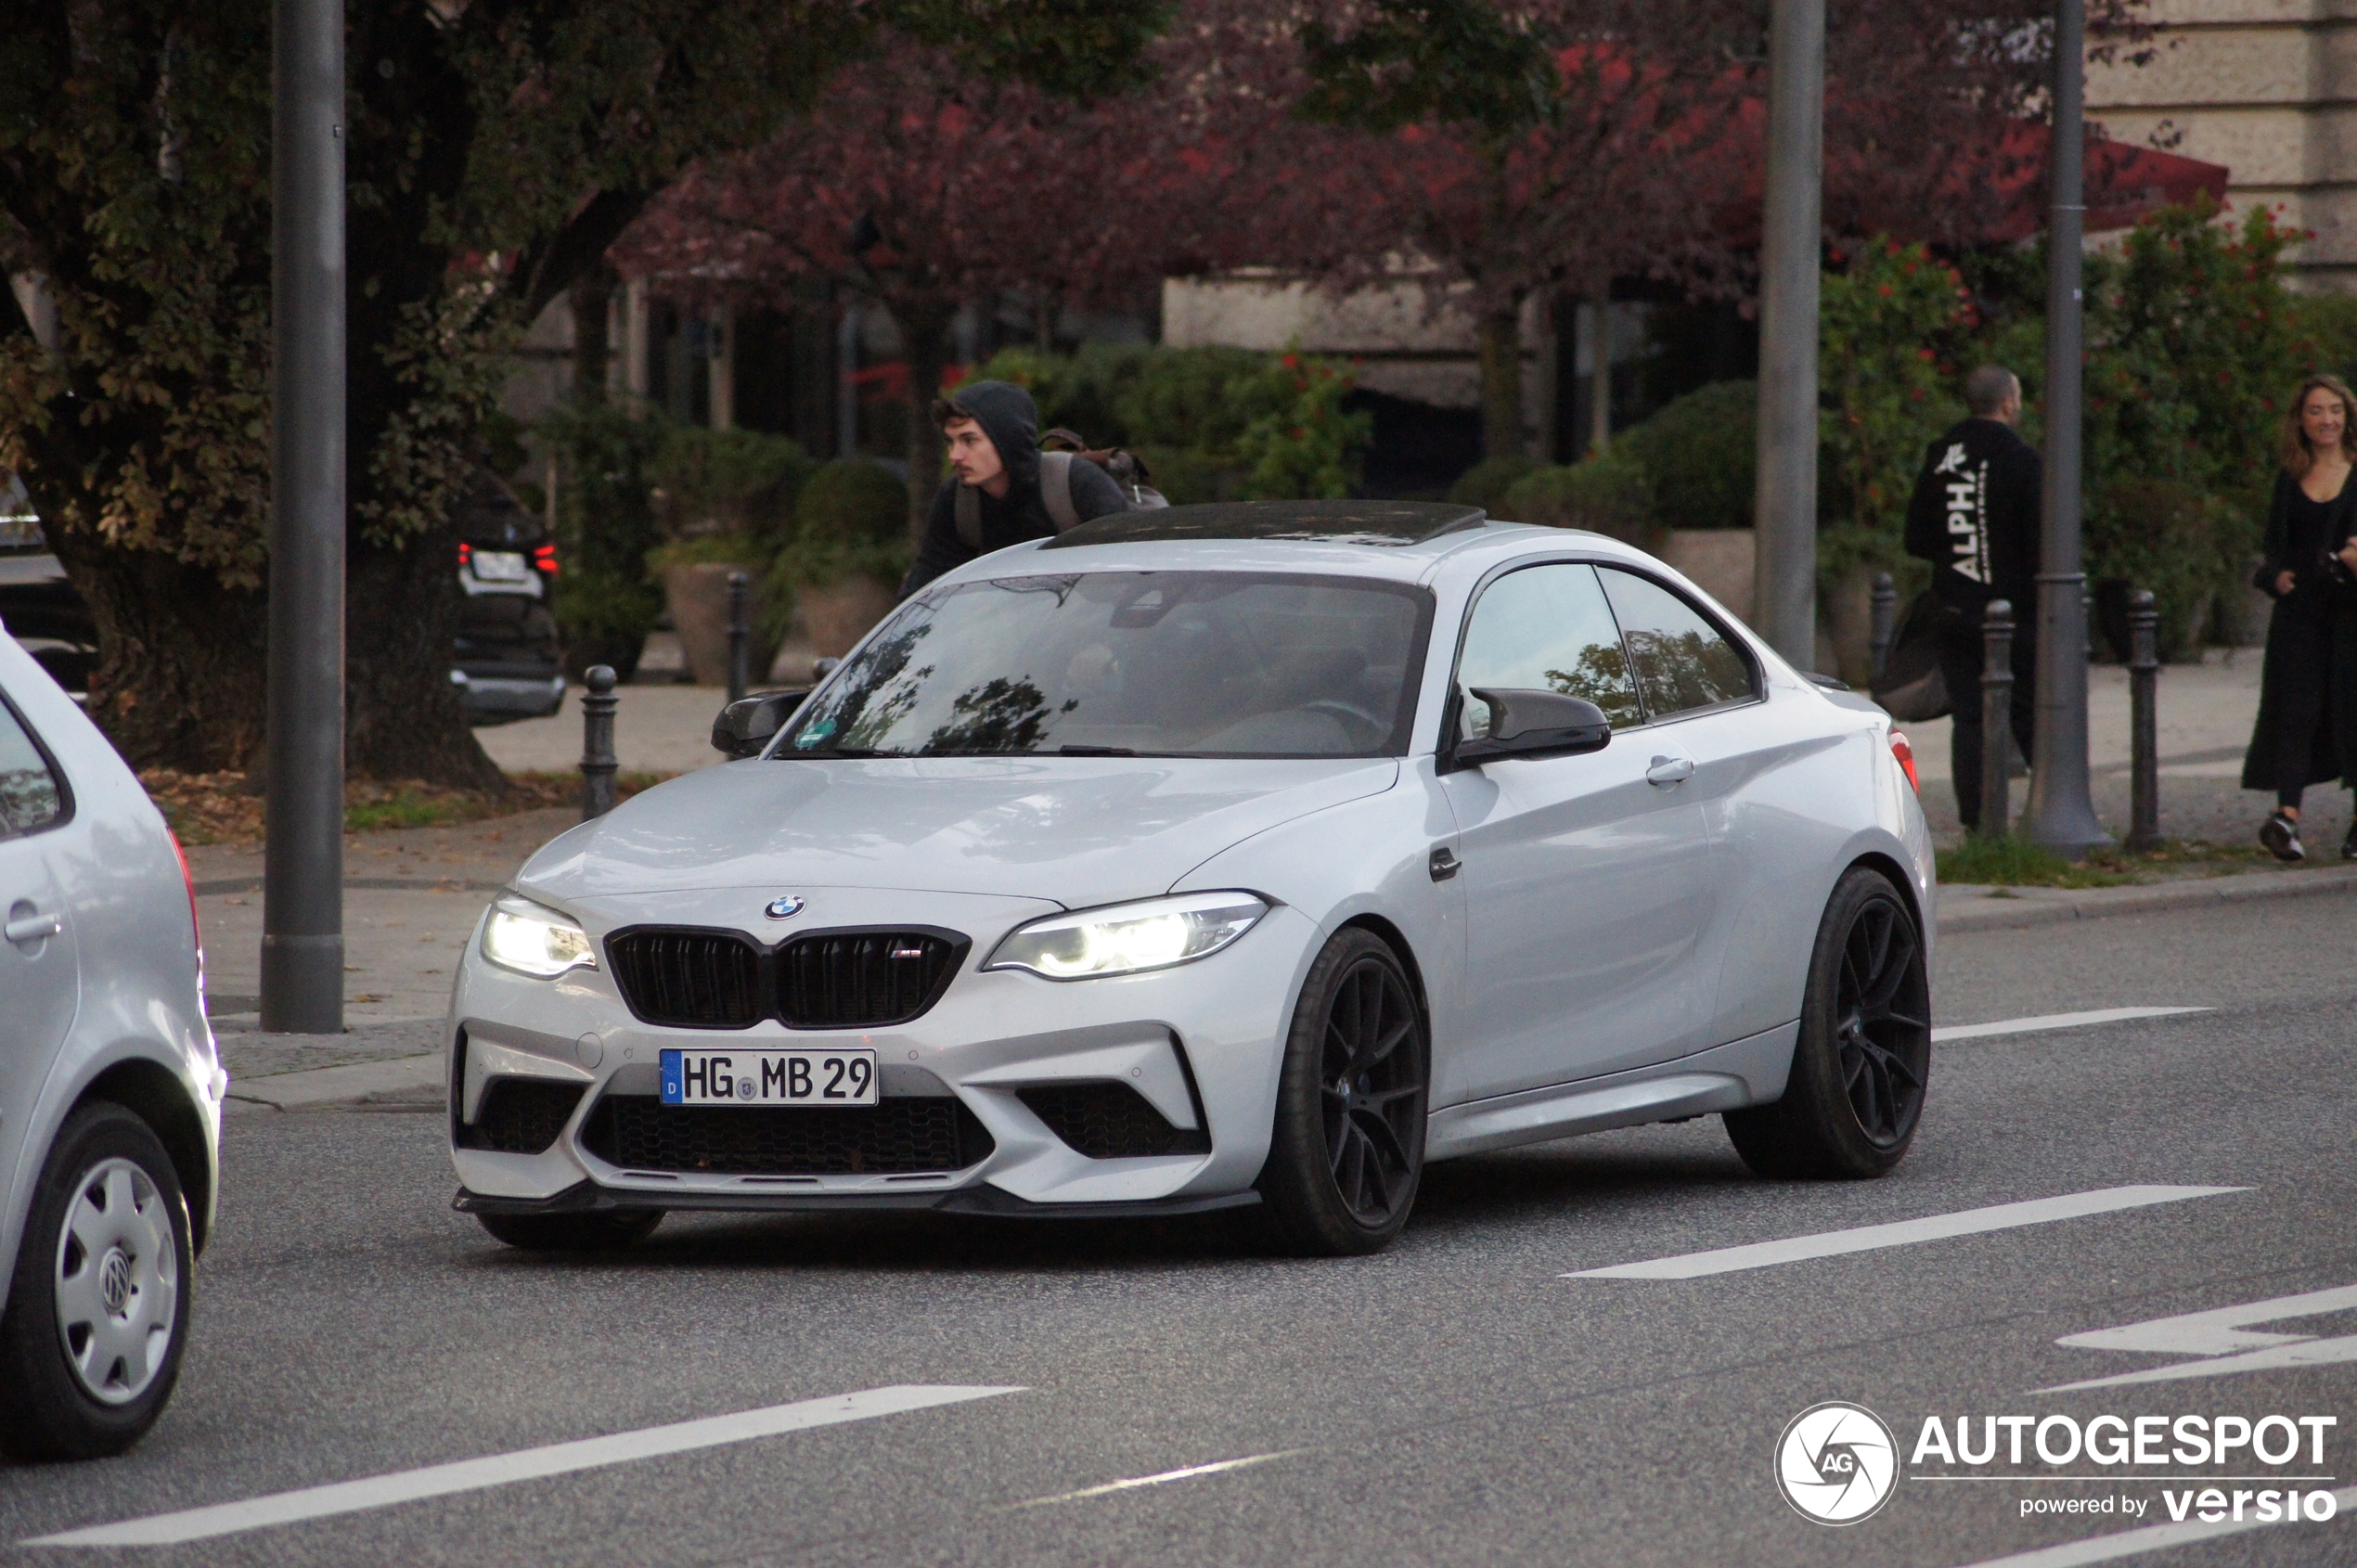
x: 1910, y: 687
x: 1058, y: 449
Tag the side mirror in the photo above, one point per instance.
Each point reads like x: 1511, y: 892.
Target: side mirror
x: 1535, y: 724
x: 745, y: 727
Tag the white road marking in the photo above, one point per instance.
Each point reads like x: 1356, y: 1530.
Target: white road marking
x: 2220, y: 1332
x: 1903, y: 1233
x: 2308, y: 1352
x: 2223, y: 1341
x: 525, y: 1464
x: 2152, y: 1537
x: 1166, y: 1476
x: 2050, y: 1021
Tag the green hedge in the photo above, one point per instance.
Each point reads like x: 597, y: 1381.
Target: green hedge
x: 853, y: 521
x: 1699, y: 455
x: 1607, y: 494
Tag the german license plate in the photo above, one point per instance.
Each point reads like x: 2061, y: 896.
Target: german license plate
x: 500, y: 566
x: 758, y: 1077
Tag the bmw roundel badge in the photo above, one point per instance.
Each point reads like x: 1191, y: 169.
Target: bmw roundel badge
x: 784, y: 908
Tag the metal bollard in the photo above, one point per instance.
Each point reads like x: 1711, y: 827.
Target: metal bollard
x: 1996, y: 718
x: 2143, y: 723
x: 597, y: 704
x: 1885, y: 619
x: 740, y: 637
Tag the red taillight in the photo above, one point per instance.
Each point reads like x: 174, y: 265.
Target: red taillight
x: 545, y: 557
x: 466, y: 554
x: 196, y: 930
x: 1906, y: 756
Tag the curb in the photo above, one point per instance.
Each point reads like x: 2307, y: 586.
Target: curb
x: 2039, y: 906
x: 332, y: 1086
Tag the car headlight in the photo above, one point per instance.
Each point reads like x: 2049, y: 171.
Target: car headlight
x: 536, y: 940
x: 1127, y: 938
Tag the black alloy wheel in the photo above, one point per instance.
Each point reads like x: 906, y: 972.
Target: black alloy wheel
x: 1863, y: 1061
x: 1882, y: 1023
x: 1348, y: 1152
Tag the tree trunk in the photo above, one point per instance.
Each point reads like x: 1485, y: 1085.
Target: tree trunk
x: 402, y: 716
x: 1500, y: 347
x: 592, y: 348
x: 922, y: 334
x: 1600, y: 376
x: 180, y: 679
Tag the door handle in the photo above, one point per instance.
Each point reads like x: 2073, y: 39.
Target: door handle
x: 31, y: 928
x: 1667, y: 771
x: 1443, y: 864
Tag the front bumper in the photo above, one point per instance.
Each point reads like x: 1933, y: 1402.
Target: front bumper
x: 500, y: 697
x: 1201, y: 1042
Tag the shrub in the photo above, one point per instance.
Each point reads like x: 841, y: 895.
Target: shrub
x: 1606, y: 493
x: 605, y: 523
x: 1486, y: 484
x: 2164, y: 535
x: 737, y: 481
x: 1698, y: 457
x: 853, y: 521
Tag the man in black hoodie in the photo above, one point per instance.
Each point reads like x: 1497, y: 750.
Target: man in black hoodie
x: 994, y: 496
x: 1974, y: 517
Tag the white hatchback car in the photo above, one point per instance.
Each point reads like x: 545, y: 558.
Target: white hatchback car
x: 110, y: 1086
x: 1212, y: 857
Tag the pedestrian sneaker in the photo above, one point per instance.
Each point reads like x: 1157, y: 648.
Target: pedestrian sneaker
x: 2280, y: 835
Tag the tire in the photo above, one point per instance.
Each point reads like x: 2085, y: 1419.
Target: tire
x: 97, y: 1316
x: 1348, y: 1144
x: 1862, y: 1062
x: 573, y: 1233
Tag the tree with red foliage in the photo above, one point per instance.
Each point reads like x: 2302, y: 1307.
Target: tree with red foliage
x: 923, y: 185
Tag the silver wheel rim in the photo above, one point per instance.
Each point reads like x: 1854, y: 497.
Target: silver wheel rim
x: 117, y: 1281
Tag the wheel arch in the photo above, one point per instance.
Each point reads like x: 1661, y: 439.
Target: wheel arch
x: 1392, y: 937
x: 1896, y: 875
x: 149, y: 1092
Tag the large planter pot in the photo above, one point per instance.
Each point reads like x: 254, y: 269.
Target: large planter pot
x: 840, y: 614
x: 1722, y: 562
x: 698, y: 598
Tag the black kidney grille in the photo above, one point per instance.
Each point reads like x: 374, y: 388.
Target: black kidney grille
x: 702, y: 980
x: 851, y: 980
x: 901, y: 1135
x: 1110, y: 1121
x: 519, y: 1115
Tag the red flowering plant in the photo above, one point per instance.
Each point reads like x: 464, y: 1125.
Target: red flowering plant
x: 1892, y: 325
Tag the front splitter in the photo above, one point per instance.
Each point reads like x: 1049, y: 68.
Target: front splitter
x: 588, y: 1198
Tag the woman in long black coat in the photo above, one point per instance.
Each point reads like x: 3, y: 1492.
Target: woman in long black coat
x: 2307, y: 727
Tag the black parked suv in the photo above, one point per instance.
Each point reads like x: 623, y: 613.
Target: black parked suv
x: 509, y: 665
x: 40, y: 607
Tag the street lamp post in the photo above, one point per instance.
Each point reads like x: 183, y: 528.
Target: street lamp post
x: 303, y: 865
x: 2060, y: 815
x: 1784, y: 497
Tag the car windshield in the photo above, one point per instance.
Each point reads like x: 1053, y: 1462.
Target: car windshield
x: 1122, y: 664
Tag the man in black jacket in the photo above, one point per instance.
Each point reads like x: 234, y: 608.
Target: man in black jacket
x: 1974, y: 517
x: 993, y: 497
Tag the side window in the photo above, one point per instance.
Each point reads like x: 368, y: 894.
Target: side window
x: 29, y: 796
x: 1546, y: 628
x: 1681, y: 661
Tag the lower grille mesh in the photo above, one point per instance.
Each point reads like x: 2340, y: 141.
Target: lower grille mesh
x: 1110, y: 1121
x: 519, y: 1115
x: 640, y: 1133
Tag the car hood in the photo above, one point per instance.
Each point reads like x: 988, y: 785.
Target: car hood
x: 1078, y: 830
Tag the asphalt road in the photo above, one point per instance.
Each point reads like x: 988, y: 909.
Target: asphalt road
x: 1455, y: 1400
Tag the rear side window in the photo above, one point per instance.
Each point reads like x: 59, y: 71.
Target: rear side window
x: 30, y: 799
x: 1680, y: 660
x: 1546, y: 628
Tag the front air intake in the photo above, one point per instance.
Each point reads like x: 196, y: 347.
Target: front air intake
x: 1110, y: 1121
x: 519, y: 1115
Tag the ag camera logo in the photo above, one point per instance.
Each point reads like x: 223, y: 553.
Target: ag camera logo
x: 1836, y: 1463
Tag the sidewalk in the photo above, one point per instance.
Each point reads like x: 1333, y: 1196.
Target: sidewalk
x: 2205, y: 713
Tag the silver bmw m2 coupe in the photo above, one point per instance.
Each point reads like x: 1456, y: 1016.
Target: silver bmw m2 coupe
x: 1224, y: 855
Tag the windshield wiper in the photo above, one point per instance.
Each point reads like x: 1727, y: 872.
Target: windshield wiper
x: 1094, y: 752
